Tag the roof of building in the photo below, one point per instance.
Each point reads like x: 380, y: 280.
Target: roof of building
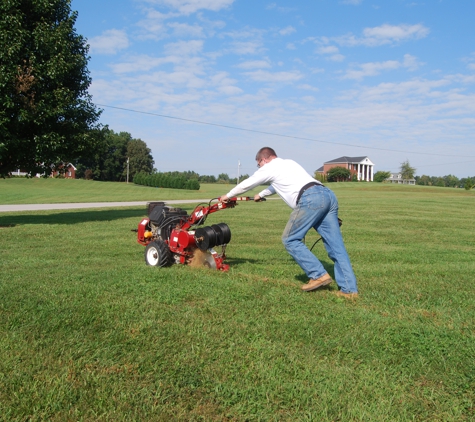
x: 344, y: 159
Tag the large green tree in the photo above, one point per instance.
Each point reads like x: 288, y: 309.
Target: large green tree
x: 407, y: 171
x: 109, y: 162
x: 46, y: 114
x: 140, y: 158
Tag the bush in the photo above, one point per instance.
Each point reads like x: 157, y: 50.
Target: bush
x: 166, y: 180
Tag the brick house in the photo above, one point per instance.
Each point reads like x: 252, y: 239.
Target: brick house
x: 69, y: 173
x: 361, y: 167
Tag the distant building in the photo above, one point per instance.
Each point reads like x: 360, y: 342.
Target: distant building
x: 361, y: 167
x: 397, y: 178
x: 69, y: 172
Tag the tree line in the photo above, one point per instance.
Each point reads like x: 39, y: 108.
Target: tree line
x: 116, y: 156
x: 407, y: 172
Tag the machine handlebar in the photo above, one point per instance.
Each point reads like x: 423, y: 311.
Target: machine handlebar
x: 243, y: 198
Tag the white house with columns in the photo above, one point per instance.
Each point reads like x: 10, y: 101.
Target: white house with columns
x: 362, y: 167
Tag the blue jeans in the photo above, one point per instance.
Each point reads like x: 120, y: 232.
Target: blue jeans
x: 318, y: 208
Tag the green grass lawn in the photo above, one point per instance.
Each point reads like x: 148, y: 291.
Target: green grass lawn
x: 88, y: 332
x: 53, y: 191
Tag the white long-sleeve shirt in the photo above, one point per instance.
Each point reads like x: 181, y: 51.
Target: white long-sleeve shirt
x: 285, y: 176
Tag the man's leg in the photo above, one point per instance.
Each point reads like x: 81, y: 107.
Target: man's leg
x: 312, y: 207
x: 329, y: 229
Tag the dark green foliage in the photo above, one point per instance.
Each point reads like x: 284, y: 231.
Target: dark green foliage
x: 449, y: 181
x: 407, y: 172
x: 109, y: 162
x: 381, y: 176
x: 223, y: 178
x: 173, y: 180
x: 338, y: 174
x: 46, y: 114
x: 469, y: 184
x: 207, y: 179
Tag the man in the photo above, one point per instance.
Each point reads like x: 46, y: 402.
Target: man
x: 313, y: 205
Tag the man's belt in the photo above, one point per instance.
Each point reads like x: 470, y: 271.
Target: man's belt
x: 307, y: 186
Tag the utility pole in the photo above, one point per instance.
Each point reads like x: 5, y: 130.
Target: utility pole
x: 127, y: 169
x: 239, y: 167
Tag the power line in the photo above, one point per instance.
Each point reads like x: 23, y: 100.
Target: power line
x: 276, y: 134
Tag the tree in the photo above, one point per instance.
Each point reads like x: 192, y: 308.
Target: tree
x: 407, y: 172
x: 381, y: 176
x: 451, y: 181
x: 46, y: 114
x: 424, y: 180
x: 109, y: 162
x: 338, y: 174
x: 468, y: 184
x: 140, y: 157
x: 207, y: 179
x: 223, y: 178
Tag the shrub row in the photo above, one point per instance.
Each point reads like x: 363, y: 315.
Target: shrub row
x: 163, y: 180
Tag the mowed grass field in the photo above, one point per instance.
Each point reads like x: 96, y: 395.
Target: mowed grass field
x: 56, y: 191
x: 88, y: 332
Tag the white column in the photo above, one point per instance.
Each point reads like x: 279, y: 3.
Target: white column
x: 372, y: 173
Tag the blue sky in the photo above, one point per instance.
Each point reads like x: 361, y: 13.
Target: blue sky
x: 206, y: 83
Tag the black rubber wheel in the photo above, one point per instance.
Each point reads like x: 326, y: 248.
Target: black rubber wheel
x: 157, y: 254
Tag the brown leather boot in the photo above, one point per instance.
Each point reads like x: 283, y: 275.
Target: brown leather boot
x: 347, y: 295
x: 324, y: 280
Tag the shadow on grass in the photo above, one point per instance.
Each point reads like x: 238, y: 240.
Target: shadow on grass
x: 75, y: 217
x: 326, y: 264
x: 238, y: 261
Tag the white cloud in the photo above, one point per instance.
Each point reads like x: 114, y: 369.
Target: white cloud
x: 246, y: 47
x: 184, y: 48
x: 287, y: 30
x: 230, y: 90
x: 332, y: 52
x: 265, y: 76
x: 337, y: 58
x: 371, y: 69
x: 153, y: 26
x: 185, y: 30
x: 354, y: 2
x: 375, y: 68
x: 411, y: 63
x: 137, y: 63
x: 224, y: 84
x: 254, y: 64
x: 307, y: 87
x: 396, y: 32
x: 470, y: 60
x: 382, y: 35
x: 191, y: 6
x: 331, y: 49
x: 110, y: 42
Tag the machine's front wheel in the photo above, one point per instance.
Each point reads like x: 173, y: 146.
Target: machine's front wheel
x: 157, y: 254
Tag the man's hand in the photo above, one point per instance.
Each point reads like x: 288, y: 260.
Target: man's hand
x: 257, y: 198
x: 224, y: 198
